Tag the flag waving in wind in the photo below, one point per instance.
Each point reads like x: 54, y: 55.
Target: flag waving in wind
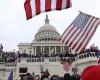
x: 35, y: 7
x: 79, y: 33
x: 10, y: 76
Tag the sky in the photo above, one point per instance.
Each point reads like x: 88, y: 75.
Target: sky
x: 15, y: 29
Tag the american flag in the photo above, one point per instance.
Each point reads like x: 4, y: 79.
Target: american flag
x: 34, y: 7
x: 66, y: 66
x: 79, y: 33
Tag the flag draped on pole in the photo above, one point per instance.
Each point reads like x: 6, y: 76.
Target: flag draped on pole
x: 79, y: 33
x: 66, y: 64
x: 35, y: 7
x: 10, y: 76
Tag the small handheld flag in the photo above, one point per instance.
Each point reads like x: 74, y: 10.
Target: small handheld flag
x: 10, y: 76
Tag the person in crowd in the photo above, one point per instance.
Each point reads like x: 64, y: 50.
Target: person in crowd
x: 75, y: 77
x: 46, y: 74
x: 67, y: 76
x: 42, y: 76
x: 37, y: 77
x: 1, y: 48
x: 27, y: 76
x: 45, y: 79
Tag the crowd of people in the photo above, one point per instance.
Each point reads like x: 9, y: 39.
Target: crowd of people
x: 12, y: 56
x: 92, y: 48
x: 8, y: 57
x: 46, y: 76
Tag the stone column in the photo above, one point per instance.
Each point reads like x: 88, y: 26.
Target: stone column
x: 35, y: 50
x: 43, y: 49
x: 49, y: 51
x: 55, y: 50
x: 61, y: 48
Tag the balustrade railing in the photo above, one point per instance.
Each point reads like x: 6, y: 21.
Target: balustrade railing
x: 11, y: 64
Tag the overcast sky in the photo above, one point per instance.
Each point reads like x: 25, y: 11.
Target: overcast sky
x: 15, y: 29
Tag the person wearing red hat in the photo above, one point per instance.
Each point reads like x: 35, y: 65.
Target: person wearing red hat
x: 91, y: 73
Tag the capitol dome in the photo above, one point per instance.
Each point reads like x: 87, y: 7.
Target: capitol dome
x: 47, y: 32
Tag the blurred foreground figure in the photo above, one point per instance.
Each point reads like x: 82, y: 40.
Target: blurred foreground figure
x: 91, y: 73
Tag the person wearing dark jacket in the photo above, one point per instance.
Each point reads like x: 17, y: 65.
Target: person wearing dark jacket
x: 67, y: 76
x: 46, y: 73
x: 42, y: 76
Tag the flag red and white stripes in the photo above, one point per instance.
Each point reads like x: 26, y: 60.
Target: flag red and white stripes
x: 35, y: 7
x: 66, y: 66
x: 79, y: 33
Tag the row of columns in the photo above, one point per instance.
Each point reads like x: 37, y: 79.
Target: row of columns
x: 42, y: 48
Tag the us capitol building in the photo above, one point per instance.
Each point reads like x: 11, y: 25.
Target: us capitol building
x: 46, y: 42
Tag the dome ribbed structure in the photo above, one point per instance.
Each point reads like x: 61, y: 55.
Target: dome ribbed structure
x: 47, y: 32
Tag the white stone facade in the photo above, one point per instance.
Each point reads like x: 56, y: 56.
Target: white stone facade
x: 47, y: 41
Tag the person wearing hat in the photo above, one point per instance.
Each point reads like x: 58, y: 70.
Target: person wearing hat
x: 91, y: 73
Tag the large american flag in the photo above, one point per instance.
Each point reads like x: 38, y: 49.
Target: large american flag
x: 79, y: 33
x: 34, y: 7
